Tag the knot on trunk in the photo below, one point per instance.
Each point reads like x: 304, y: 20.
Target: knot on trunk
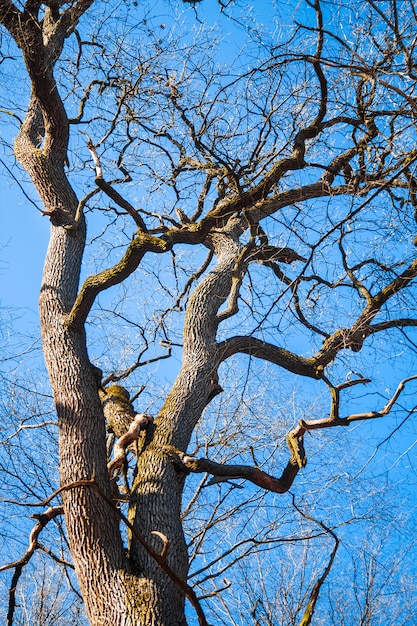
x: 118, y: 409
x: 60, y: 217
x: 123, y: 422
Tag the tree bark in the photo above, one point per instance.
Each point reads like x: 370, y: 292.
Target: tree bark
x: 157, y: 490
x: 113, y: 587
x: 120, y: 588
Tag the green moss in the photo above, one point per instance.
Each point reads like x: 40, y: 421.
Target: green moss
x: 118, y: 391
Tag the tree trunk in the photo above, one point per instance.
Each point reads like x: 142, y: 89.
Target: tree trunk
x: 120, y: 588
x: 157, y: 490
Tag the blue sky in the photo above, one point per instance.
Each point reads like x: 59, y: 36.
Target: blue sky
x: 23, y: 240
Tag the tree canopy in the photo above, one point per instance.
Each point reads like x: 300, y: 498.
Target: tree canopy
x: 228, y: 292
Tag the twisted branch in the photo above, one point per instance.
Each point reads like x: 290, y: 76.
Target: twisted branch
x: 43, y: 519
x: 334, y: 419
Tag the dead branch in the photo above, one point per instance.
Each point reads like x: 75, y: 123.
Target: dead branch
x: 140, y: 422
x: 165, y: 542
x: 43, y: 519
x: 298, y: 460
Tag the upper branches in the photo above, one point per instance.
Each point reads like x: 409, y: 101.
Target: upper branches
x: 205, y: 144
x: 346, y: 338
x: 41, y: 39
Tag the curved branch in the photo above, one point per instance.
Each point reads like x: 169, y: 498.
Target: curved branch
x: 345, y: 338
x: 71, y: 16
x: 193, y: 234
x: 267, y: 351
x: 222, y: 472
x: 401, y: 322
x: 354, y: 336
x: 140, y: 422
x: 111, y: 192
x: 142, y: 243
x: 334, y: 419
x: 314, y: 595
x: 114, y: 275
x: 43, y: 519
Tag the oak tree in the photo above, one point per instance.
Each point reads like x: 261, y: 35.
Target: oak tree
x: 266, y: 205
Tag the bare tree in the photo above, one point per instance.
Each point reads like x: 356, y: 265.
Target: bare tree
x: 258, y: 210
x: 45, y: 598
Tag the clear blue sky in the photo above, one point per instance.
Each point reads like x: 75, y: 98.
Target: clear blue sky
x: 23, y: 239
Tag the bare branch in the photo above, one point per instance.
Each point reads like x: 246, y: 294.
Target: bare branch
x: 111, y: 192
x: 222, y: 472
x: 335, y: 420
x: 314, y: 595
x: 140, y: 422
x: 43, y: 519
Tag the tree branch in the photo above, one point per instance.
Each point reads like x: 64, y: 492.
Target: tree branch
x: 140, y: 422
x: 334, y: 419
x: 314, y: 595
x: 267, y: 351
x: 114, y: 275
x: 223, y: 472
x: 43, y: 519
x: 354, y: 336
x: 111, y: 192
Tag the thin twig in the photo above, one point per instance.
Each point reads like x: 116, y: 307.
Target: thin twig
x: 159, y: 558
x: 111, y: 192
x: 314, y: 595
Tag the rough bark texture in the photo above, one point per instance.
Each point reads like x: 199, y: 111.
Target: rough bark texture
x: 124, y: 585
x: 158, y: 487
x: 117, y: 588
x: 93, y: 530
x: 113, y: 590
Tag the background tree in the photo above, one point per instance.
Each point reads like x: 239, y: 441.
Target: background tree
x: 258, y: 213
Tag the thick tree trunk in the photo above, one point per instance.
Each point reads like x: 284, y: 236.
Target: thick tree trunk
x: 157, y: 491
x: 113, y: 593
x: 92, y: 529
x: 119, y: 588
